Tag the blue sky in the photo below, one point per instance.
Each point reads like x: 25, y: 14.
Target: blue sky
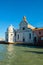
x: 12, y: 11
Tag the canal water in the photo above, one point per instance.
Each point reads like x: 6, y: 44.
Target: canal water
x: 7, y: 54
x: 20, y: 55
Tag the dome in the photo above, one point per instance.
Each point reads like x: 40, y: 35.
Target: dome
x: 10, y: 28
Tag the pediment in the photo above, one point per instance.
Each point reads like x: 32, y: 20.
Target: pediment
x: 23, y: 23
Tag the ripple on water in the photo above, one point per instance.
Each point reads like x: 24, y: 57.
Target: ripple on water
x: 7, y: 54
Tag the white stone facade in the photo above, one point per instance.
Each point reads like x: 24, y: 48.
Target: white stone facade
x: 23, y: 34
x: 10, y: 34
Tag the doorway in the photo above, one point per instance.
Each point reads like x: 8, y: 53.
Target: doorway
x: 23, y: 39
x: 35, y: 39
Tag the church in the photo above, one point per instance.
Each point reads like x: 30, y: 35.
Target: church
x: 24, y: 34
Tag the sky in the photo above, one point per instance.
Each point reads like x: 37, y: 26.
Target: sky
x: 12, y: 12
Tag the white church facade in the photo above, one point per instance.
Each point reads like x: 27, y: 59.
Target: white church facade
x: 24, y: 34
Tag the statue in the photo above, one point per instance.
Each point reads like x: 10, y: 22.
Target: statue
x: 24, y: 18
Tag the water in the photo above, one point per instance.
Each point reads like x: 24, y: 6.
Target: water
x: 7, y: 54
x: 19, y: 55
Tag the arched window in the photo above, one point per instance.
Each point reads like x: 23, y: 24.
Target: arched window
x: 18, y: 36
x: 39, y: 32
x: 29, y: 35
x: 11, y: 34
x: 23, y: 28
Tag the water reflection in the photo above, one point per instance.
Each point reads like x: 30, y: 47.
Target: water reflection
x: 7, y: 54
x: 2, y: 52
x: 10, y: 54
x: 10, y: 50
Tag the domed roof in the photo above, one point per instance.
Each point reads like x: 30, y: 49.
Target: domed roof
x: 10, y: 29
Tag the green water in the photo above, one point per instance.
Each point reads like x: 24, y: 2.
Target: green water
x: 20, y: 55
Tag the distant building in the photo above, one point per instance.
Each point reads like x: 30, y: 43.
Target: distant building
x: 23, y: 34
x: 1, y: 39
